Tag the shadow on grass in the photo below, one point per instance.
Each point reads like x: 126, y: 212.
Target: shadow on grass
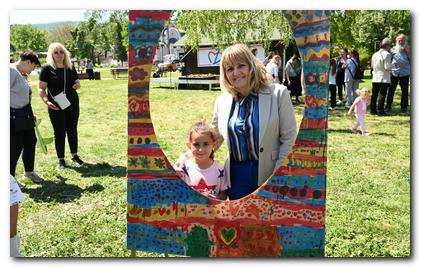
x: 60, y: 191
x: 100, y: 169
x: 348, y: 131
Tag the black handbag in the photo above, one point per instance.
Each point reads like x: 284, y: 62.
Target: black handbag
x: 22, y: 119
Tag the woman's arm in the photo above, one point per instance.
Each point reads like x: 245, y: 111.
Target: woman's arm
x: 214, y: 124
x: 287, y: 68
x: 276, y: 70
x: 303, y: 84
x: 76, y: 85
x: 42, y: 86
x: 287, y: 126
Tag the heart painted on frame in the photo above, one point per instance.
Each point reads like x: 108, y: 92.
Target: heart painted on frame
x: 228, y: 235
x: 161, y: 211
x: 214, y: 57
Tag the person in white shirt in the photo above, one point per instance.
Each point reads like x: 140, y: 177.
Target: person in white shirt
x: 381, y: 62
x: 273, y: 68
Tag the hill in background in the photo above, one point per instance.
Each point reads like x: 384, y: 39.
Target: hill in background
x: 53, y: 25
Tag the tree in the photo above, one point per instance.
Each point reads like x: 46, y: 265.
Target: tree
x: 102, y: 31
x: 81, y: 45
x: 27, y: 36
x: 119, y: 20
x: 91, y: 38
x: 364, y: 29
x: 225, y: 27
x: 61, y: 34
x: 359, y: 29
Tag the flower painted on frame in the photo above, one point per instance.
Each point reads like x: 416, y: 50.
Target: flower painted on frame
x: 160, y: 162
x: 138, y: 74
x: 144, y: 162
x: 133, y: 162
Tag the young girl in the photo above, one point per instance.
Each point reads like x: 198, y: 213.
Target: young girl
x: 201, y: 171
x: 360, y: 107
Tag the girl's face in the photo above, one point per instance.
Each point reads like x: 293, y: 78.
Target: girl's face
x: 58, y: 55
x: 364, y: 94
x: 238, y: 75
x: 201, y: 145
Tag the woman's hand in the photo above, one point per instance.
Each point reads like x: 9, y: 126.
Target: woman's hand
x: 51, y: 106
x: 76, y: 85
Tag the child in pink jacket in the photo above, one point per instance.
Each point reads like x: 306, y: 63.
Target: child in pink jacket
x: 360, y: 107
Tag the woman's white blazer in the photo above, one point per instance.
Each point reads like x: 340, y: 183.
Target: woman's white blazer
x: 277, y: 127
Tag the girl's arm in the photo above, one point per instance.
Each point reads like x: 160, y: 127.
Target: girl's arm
x: 353, y: 106
x: 179, y: 164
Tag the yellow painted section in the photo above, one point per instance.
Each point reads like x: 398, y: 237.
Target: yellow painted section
x: 324, y: 51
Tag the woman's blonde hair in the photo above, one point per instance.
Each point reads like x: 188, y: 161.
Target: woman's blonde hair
x: 258, y: 77
x: 54, y: 47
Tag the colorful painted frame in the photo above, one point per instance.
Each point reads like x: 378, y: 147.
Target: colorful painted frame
x: 284, y: 217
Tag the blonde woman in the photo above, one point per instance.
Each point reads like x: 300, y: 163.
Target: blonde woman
x: 59, y: 78
x: 255, y: 118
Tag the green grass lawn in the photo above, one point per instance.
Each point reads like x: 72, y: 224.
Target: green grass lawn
x: 81, y: 211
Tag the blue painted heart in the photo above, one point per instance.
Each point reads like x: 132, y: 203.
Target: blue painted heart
x: 214, y: 57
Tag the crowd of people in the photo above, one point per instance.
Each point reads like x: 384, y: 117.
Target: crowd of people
x: 390, y: 66
x: 245, y: 82
x: 290, y: 76
x: 253, y: 117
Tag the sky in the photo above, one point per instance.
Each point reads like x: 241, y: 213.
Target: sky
x: 20, y: 16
